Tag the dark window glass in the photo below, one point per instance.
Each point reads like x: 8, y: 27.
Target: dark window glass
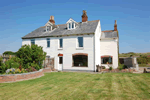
x: 106, y: 60
x: 80, y: 41
x: 72, y: 24
x: 60, y: 43
x: 80, y: 61
x: 69, y: 25
x: 32, y: 41
x: 48, y: 42
x: 60, y: 60
x: 48, y: 28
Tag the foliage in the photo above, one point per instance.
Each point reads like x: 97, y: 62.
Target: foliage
x: 143, y: 60
x: 110, y: 68
x: 9, y: 53
x: 33, y: 54
x: 122, y: 66
x: 3, y: 68
x: 13, y: 62
x: 104, y: 67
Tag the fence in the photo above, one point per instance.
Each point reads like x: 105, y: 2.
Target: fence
x: 48, y: 63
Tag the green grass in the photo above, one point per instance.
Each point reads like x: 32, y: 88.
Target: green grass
x: 83, y: 86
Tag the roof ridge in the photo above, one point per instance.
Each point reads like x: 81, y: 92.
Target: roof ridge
x: 80, y: 22
x: 108, y: 31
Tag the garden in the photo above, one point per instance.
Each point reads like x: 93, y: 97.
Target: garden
x: 28, y: 59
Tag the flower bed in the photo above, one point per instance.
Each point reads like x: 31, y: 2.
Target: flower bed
x: 20, y: 77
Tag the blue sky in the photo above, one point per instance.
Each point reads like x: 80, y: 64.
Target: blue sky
x: 20, y: 17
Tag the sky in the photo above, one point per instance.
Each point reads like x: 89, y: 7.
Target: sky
x: 20, y: 17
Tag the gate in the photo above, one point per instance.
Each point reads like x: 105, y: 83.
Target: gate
x: 49, y: 63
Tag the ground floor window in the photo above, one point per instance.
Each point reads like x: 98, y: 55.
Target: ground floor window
x: 80, y: 60
x: 106, y: 59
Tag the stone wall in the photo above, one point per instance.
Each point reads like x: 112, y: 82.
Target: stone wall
x: 23, y: 76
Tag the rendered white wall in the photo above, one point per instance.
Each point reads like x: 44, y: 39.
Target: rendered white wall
x: 109, y: 47
x: 97, y: 45
x: 69, y: 48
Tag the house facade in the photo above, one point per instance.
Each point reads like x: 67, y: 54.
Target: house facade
x: 77, y: 46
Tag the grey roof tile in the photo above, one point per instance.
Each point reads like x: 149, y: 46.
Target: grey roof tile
x: 109, y: 34
x: 81, y: 28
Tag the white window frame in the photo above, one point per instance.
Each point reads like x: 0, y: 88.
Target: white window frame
x: 77, y: 43
x: 31, y: 41
x: 50, y: 28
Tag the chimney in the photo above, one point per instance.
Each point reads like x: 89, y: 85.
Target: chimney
x: 52, y: 19
x: 115, y: 26
x: 84, y: 16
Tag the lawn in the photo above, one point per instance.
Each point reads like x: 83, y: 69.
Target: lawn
x: 72, y: 85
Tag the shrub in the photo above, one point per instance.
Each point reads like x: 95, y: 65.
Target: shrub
x: 120, y: 67
x: 9, y: 53
x: 3, y: 68
x: 110, y: 68
x: 31, y: 54
x: 104, y: 67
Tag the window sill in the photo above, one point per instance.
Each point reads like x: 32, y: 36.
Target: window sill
x: 79, y: 66
x: 79, y: 48
x: 60, y: 48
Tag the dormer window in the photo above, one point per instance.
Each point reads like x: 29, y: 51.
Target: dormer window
x: 48, y: 28
x: 71, y: 24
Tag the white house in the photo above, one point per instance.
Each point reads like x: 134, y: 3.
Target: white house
x: 77, y: 45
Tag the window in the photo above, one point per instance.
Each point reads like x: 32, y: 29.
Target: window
x: 48, y: 28
x: 48, y: 42
x: 106, y: 59
x: 32, y: 41
x: 80, y: 41
x: 80, y: 60
x: 69, y: 25
x: 72, y: 24
x: 60, y: 43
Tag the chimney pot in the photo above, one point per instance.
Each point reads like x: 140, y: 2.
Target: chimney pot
x: 84, y: 16
x: 115, y: 26
x: 52, y: 19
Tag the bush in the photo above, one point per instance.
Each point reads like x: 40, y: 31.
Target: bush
x: 120, y: 67
x: 33, y: 54
x: 9, y: 53
x: 110, y: 68
x: 3, y: 68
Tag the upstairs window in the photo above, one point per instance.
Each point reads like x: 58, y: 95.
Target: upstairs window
x: 32, y: 41
x: 60, y: 43
x: 48, y: 42
x: 48, y: 28
x: 80, y: 41
x: 71, y: 24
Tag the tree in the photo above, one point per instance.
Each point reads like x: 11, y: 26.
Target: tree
x: 31, y: 54
x: 9, y: 53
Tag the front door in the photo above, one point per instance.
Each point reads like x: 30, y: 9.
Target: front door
x: 60, y: 63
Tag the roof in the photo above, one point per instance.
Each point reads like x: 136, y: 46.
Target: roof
x: 109, y: 34
x: 81, y: 28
